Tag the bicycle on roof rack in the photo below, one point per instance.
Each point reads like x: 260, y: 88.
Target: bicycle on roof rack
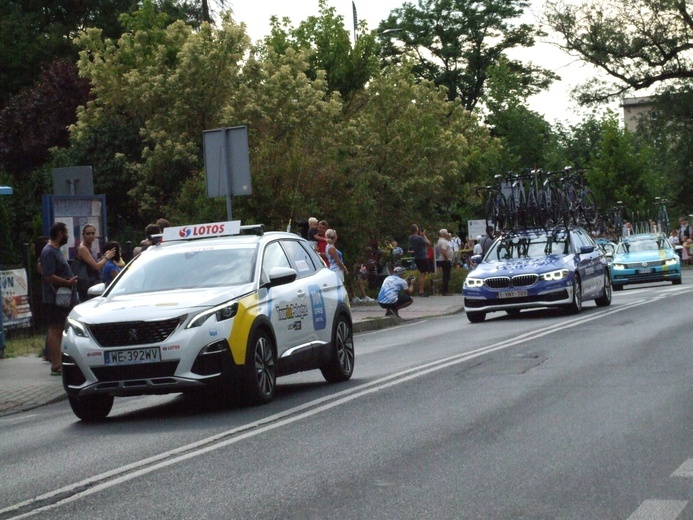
x: 581, y: 205
x: 662, y: 215
x: 496, y: 206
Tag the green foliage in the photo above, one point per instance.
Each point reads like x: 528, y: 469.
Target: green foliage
x: 456, y: 43
x: 638, y: 43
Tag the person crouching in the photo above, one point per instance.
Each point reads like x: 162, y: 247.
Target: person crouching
x: 395, y: 293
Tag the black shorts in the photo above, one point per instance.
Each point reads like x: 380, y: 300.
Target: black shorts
x: 423, y: 265
x: 54, y: 314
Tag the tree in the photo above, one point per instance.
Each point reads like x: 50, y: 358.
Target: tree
x: 348, y: 68
x: 456, y: 42
x: 638, y: 43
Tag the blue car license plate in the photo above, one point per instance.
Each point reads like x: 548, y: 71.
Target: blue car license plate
x: 132, y: 357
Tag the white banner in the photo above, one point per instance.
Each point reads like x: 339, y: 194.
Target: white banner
x: 15, y: 298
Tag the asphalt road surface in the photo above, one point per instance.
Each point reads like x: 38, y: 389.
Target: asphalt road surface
x: 540, y: 416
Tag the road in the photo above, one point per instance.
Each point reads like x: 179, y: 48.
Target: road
x: 543, y: 416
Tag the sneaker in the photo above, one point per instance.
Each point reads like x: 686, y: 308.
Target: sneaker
x: 357, y: 300
x: 56, y: 371
x: 368, y: 299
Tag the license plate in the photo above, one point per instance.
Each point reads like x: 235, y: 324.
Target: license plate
x: 645, y: 271
x: 512, y: 294
x: 132, y: 357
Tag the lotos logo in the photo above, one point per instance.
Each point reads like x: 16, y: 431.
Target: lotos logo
x: 184, y: 232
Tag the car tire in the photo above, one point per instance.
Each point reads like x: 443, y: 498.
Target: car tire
x: 576, y: 305
x: 91, y: 408
x: 476, y: 317
x: 676, y: 282
x: 259, y: 372
x: 617, y: 287
x: 341, y: 364
x: 605, y: 299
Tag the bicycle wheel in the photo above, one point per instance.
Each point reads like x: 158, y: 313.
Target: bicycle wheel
x: 513, y: 215
x: 588, y: 208
x: 502, y: 212
x: 544, y: 218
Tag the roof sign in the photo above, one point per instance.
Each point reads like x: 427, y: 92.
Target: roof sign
x: 214, y: 229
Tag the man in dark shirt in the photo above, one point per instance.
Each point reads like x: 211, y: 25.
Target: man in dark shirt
x: 418, y: 246
x: 55, y: 273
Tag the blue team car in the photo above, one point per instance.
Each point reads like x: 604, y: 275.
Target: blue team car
x: 645, y: 258
x: 536, y: 268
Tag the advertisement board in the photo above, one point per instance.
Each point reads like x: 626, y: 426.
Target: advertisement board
x: 14, y: 287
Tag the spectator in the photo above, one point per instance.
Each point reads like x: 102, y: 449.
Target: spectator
x: 113, y: 265
x: 334, y: 255
x: 85, y: 266
x: 312, y: 231
x: 55, y: 273
x: 443, y: 253
x: 360, y: 281
x: 163, y: 224
x: 685, y: 252
x: 320, y: 239
x: 395, y: 293
x: 397, y: 253
x: 478, y: 248
x: 684, y: 229
x: 487, y: 240
x: 418, y: 246
x: 149, y: 232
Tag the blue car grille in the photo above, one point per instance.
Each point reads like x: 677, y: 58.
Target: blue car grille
x: 471, y: 303
x: 504, y: 282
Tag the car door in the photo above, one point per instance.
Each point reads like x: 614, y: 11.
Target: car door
x: 590, y: 264
x: 287, y: 304
x: 318, y: 284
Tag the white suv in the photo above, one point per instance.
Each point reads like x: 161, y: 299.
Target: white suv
x: 208, y: 307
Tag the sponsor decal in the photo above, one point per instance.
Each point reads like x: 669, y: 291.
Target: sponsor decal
x: 213, y: 332
x: 317, y: 304
x: 94, y: 354
x: 170, y: 347
x: 292, y: 311
x: 202, y: 230
x: 295, y: 325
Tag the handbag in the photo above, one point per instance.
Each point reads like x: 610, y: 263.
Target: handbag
x: 63, y: 297
x: 86, y: 276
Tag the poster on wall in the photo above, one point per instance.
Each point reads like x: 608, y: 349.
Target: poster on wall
x: 15, y: 298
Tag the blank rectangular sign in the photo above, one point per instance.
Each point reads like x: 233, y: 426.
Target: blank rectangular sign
x: 231, y: 161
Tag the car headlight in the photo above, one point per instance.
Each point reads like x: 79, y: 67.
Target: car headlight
x: 618, y: 266
x: 473, y: 282
x: 555, y: 275
x: 671, y: 261
x: 222, y: 312
x: 79, y: 329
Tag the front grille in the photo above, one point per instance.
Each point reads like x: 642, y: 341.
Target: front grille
x: 525, y: 280
x: 499, y: 282
x: 640, y: 265
x: 128, y: 333
x: 130, y: 372
x: 471, y: 303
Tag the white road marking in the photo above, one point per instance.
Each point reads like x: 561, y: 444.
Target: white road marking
x: 685, y: 470
x: 658, y: 510
x: 137, y: 469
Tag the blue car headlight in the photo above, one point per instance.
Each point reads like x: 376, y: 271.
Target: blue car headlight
x: 473, y: 282
x: 618, y: 267
x: 671, y: 261
x: 552, y: 276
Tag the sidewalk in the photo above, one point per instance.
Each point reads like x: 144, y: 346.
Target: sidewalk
x: 26, y: 383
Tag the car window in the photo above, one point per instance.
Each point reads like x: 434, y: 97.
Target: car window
x: 300, y: 257
x: 187, y: 268
x: 274, y: 257
x: 646, y: 244
x: 530, y: 246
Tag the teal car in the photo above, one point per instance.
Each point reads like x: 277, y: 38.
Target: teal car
x: 645, y: 258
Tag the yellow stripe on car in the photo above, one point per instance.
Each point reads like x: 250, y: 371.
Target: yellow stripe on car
x: 245, y: 317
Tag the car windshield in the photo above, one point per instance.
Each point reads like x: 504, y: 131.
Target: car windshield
x: 644, y: 244
x: 187, y: 268
x: 529, y: 246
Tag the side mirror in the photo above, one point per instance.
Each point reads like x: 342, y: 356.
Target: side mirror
x: 477, y: 258
x: 584, y: 250
x: 96, y: 290
x: 281, y: 276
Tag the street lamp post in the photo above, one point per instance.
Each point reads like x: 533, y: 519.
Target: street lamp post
x: 4, y: 190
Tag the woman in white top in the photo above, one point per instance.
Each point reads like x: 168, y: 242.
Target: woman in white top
x: 334, y: 255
